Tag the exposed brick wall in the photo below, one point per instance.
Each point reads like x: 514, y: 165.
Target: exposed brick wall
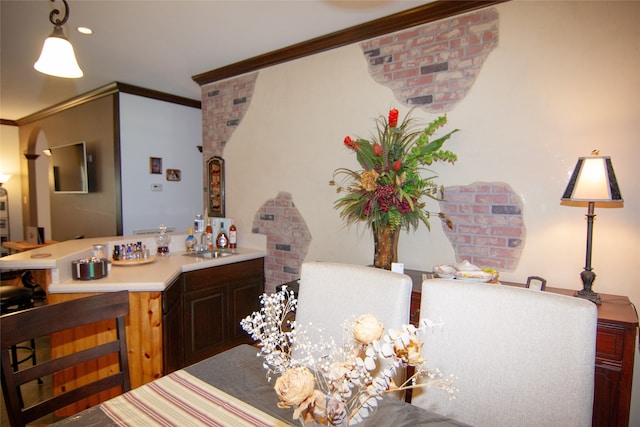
x: 488, y: 227
x: 434, y: 65
x: 288, y: 239
x: 224, y: 104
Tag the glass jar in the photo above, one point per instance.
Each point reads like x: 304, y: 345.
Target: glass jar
x: 162, y: 241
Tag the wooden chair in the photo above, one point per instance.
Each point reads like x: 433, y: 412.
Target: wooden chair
x: 55, y: 318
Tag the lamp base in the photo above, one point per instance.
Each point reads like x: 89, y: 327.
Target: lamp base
x: 588, y: 277
x: 590, y: 295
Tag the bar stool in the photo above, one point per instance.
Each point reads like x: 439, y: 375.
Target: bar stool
x: 13, y: 299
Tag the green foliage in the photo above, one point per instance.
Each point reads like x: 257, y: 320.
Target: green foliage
x: 389, y: 188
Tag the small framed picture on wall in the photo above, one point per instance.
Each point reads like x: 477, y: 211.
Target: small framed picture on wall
x: 174, y: 174
x: 155, y: 165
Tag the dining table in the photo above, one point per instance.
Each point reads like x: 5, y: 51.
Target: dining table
x: 228, y: 389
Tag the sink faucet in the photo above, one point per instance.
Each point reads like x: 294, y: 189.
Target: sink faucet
x: 204, y: 241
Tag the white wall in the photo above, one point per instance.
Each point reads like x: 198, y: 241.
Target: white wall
x: 10, y: 164
x: 151, y: 128
x: 563, y: 80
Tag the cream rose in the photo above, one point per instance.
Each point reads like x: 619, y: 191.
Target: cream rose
x: 367, y: 328
x: 294, y: 386
x: 411, y: 354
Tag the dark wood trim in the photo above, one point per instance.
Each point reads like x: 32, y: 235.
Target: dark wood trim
x: 160, y: 96
x: 110, y: 89
x: 424, y: 14
x: 7, y: 122
x: 117, y: 162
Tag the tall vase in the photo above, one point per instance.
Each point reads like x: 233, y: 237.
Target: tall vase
x: 385, y: 246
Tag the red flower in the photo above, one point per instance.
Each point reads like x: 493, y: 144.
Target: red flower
x: 397, y: 165
x: 393, y: 118
x: 350, y: 143
x: 377, y: 149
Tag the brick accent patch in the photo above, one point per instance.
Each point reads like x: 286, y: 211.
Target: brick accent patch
x: 288, y: 239
x: 488, y: 227
x: 434, y: 65
x: 224, y: 104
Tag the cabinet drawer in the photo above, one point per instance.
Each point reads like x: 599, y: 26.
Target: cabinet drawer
x: 238, y: 272
x: 609, y: 342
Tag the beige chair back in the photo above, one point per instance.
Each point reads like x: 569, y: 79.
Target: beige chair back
x: 521, y: 357
x: 332, y: 293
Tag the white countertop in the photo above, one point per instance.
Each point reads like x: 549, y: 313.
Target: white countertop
x: 149, y: 277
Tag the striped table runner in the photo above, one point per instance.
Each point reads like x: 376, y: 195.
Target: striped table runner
x: 180, y: 399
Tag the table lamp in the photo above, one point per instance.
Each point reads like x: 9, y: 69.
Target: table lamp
x: 593, y: 180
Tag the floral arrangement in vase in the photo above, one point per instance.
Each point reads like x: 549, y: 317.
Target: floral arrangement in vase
x: 387, y: 193
x: 336, y: 385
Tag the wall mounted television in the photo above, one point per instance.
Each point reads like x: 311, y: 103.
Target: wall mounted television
x: 69, y: 163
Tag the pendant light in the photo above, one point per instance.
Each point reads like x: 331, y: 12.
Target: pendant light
x: 57, y: 57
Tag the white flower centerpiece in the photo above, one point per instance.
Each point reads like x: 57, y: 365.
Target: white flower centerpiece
x: 336, y: 385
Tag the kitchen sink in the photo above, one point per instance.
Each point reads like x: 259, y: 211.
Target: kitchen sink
x: 216, y: 253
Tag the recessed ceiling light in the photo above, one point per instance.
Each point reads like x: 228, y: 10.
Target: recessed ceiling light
x: 84, y: 30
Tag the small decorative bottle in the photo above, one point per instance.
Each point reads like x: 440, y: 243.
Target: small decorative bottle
x: 190, y: 242
x: 233, y: 235
x: 222, y: 241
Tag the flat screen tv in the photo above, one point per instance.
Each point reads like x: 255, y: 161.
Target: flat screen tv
x: 69, y: 164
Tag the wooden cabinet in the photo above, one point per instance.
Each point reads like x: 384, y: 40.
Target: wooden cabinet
x: 615, y: 342
x: 214, y: 302
x: 615, y: 347
x: 172, y: 327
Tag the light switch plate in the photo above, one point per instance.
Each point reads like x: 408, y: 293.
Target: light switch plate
x: 156, y: 187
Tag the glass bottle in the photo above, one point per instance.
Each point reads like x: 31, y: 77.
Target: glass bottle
x: 233, y: 235
x: 222, y: 240
x: 190, y: 242
x: 198, y: 224
x: 208, y: 236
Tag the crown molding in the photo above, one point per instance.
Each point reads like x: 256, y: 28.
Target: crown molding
x: 424, y: 14
x: 109, y: 89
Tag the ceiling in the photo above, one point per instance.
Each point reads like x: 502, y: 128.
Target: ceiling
x: 159, y: 44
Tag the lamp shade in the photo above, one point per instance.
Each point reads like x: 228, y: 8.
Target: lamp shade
x: 57, y: 57
x: 4, y: 177
x: 593, y: 180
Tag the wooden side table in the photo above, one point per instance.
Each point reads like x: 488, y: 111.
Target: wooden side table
x: 615, y: 352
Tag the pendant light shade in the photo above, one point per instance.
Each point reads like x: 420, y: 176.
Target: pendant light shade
x: 58, y: 57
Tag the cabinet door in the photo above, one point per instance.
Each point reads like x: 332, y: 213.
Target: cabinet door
x: 205, y: 323
x: 607, y: 394
x: 172, y: 327
x: 245, y: 299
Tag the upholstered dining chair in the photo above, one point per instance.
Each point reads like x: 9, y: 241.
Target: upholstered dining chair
x: 332, y: 293
x: 61, y: 318
x: 520, y: 357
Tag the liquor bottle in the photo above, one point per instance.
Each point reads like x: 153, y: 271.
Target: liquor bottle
x: 222, y: 241
x: 208, y: 235
x: 233, y: 235
x: 198, y: 224
x: 190, y: 242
